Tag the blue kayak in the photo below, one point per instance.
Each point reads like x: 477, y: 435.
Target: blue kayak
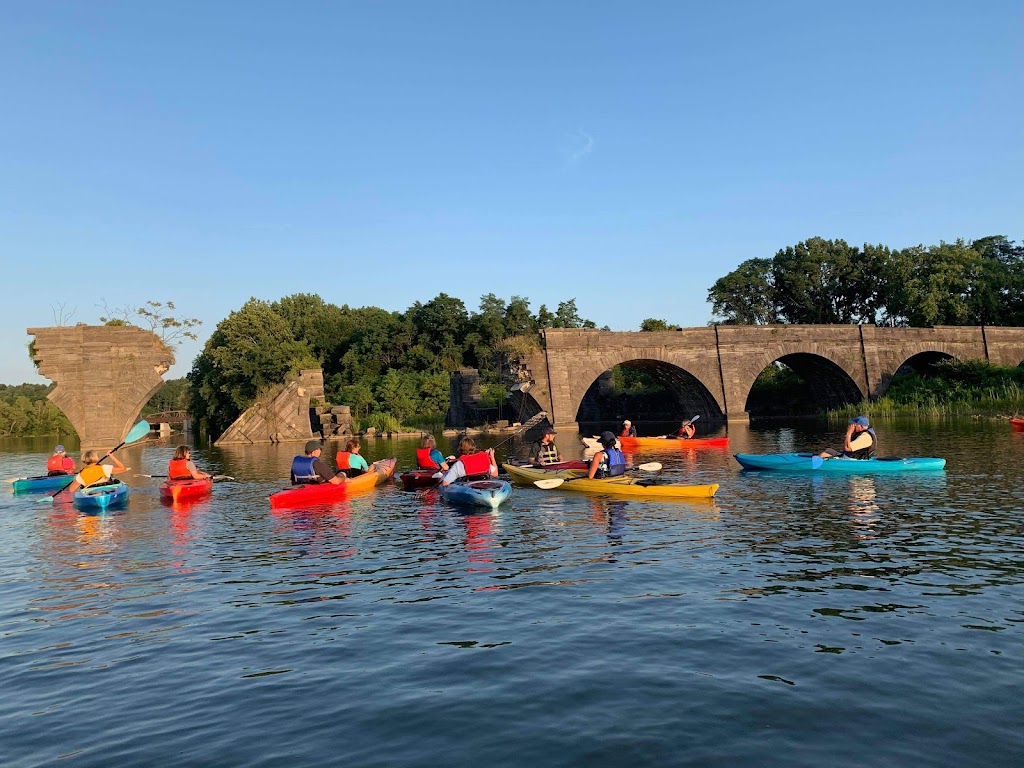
x: 480, y: 493
x: 41, y: 483
x: 799, y: 462
x: 101, y: 496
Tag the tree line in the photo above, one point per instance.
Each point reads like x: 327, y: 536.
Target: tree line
x: 24, y: 410
x: 979, y: 282
x: 378, y: 362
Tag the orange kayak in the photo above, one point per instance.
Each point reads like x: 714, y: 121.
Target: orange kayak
x: 325, y: 493
x: 1017, y: 424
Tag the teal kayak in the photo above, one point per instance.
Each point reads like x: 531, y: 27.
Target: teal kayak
x: 800, y: 462
x: 42, y: 483
x: 480, y: 493
x: 101, y: 496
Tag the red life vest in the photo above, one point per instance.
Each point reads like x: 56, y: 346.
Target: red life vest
x: 342, y: 459
x: 424, y: 461
x: 177, y: 469
x: 478, y: 463
x: 59, y: 464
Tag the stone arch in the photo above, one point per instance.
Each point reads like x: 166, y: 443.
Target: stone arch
x: 918, y: 361
x: 829, y: 383
x: 692, y: 394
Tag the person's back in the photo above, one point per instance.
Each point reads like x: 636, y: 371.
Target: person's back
x: 59, y: 463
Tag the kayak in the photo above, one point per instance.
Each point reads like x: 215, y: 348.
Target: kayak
x: 185, y: 490
x: 800, y: 462
x: 479, y: 493
x: 627, y: 485
x: 1017, y: 424
x: 671, y: 443
x: 41, y: 483
x: 556, y: 467
x: 101, y: 496
x: 528, y: 473
x: 420, y: 478
x: 300, y: 496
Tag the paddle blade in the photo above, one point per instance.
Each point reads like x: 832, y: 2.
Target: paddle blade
x: 816, y: 462
x: 137, y: 432
x: 547, y: 485
x: 652, y: 466
x: 219, y: 478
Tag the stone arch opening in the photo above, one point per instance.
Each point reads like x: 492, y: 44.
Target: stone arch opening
x: 800, y: 385
x: 521, y: 405
x: 923, y: 363
x: 650, y: 391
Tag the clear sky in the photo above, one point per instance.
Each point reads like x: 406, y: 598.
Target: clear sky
x: 377, y: 153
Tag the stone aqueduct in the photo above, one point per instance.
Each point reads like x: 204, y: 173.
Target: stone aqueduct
x: 712, y: 369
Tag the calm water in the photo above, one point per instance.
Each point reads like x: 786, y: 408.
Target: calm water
x: 797, y: 621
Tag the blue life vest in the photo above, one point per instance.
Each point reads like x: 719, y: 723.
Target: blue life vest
x: 613, y: 464
x: 302, y: 470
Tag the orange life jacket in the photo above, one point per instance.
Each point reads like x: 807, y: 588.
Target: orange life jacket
x: 59, y: 464
x: 178, y: 469
x: 342, y: 459
x: 424, y: 461
x: 478, y: 463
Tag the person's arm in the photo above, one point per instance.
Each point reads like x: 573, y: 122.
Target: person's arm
x: 118, y: 467
x: 457, y: 471
x: 848, y: 441
x: 437, y: 458
x: 595, y: 464
x: 493, y: 471
x: 194, y: 471
x: 863, y: 440
x: 321, y: 468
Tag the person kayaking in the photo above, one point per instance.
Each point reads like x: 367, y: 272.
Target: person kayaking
x: 60, y: 463
x: 94, y: 472
x: 544, y: 451
x: 628, y: 430
x: 609, y: 461
x: 428, y: 457
x: 685, y: 431
x: 471, y: 464
x: 310, y: 469
x: 349, y: 460
x: 181, y: 466
x: 860, y: 441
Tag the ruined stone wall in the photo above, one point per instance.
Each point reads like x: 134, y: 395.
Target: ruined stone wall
x: 281, y: 416
x: 104, y: 376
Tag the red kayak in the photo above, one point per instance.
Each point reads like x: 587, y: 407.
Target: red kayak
x: 301, y: 496
x: 186, y: 490
x: 420, y: 478
x: 1017, y: 424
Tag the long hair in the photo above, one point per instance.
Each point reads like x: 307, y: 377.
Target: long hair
x: 352, y: 443
x: 181, y: 452
x: 467, y: 445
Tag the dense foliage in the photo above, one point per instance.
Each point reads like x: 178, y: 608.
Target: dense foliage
x: 829, y: 281
x: 24, y: 410
x: 377, y: 362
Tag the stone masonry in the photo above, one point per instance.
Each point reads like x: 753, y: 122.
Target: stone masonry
x: 281, y: 418
x: 104, y: 376
x: 716, y: 366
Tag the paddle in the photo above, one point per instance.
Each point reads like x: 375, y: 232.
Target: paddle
x: 137, y: 432
x: 215, y: 478
x: 554, y: 482
x: 531, y: 422
x: 676, y: 436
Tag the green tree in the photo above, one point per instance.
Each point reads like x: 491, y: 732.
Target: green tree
x: 930, y: 286
x: 567, y: 316
x: 746, y: 296
x: 154, y: 316
x: 654, y: 324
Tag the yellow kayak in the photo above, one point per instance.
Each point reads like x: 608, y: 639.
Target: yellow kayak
x: 627, y: 485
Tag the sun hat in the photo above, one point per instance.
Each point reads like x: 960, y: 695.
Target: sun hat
x: 313, y: 445
x: 860, y: 421
x: 550, y: 431
x: 607, y: 438
x: 59, y: 449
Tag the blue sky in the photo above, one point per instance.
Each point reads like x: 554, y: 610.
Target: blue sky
x: 378, y: 153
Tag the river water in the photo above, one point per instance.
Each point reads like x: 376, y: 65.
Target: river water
x: 799, y: 620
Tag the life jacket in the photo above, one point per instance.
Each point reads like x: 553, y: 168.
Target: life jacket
x: 342, y: 458
x: 631, y: 432
x: 613, y: 464
x: 476, y: 464
x: 865, y: 453
x: 303, y: 472
x: 548, y: 454
x: 177, y: 469
x: 423, y: 460
x: 93, y: 474
x: 59, y: 465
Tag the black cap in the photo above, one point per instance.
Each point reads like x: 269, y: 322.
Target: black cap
x: 313, y: 445
x: 549, y: 431
x: 607, y: 438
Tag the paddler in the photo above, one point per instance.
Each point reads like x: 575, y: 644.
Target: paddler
x: 181, y: 467
x: 544, y: 451
x: 471, y: 463
x: 628, y: 430
x: 685, y: 432
x: 95, y: 473
x: 428, y: 457
x: 60, y: 463
x: 349, y: 461
x: 860, y: 441
x: 608, y: 462
x: 310, y: 469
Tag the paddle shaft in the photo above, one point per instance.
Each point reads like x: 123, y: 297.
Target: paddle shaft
x: 137, y: 432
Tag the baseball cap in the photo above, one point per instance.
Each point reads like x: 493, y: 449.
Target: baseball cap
x: 313, y: 445
x: 607, y: 438
x: 861, y: 421
x: 59, y: 449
